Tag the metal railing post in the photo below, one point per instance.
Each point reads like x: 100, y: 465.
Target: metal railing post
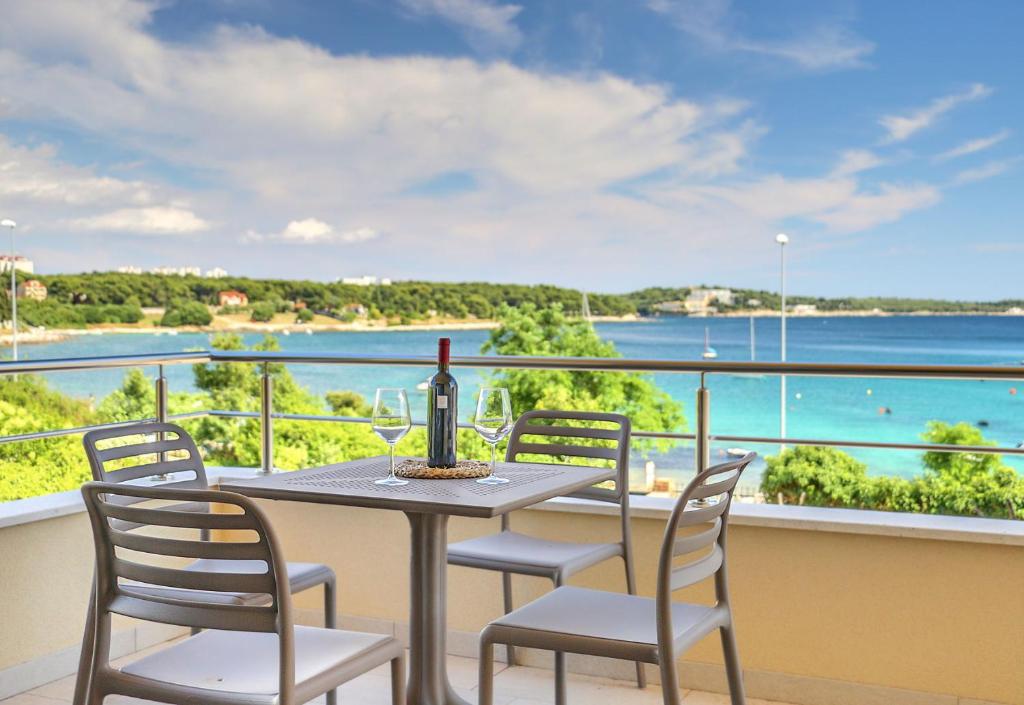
x: 161, y: 410
x: 703, y: 432
x: 267, y: 421
x: 161, y: 396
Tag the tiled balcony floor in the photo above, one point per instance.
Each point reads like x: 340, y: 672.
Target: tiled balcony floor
x: 519, y: 685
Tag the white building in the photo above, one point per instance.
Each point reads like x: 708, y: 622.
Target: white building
x: 129, y: 269
x: 366, y: 281
x: 177, y: 271
x: 21, y: 264
x: 216, y: 273
x: 700, y: 301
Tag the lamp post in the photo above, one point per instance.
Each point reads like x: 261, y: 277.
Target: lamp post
x: 783, y: 240
x: 8, y: 223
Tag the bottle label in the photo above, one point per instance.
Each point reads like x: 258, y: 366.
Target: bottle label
x: 442, y: 401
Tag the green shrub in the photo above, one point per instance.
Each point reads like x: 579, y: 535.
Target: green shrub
x: 303, y: 315
x: 262, y: 312
x: 186, y: 313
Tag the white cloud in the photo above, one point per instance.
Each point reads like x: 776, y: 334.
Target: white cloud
x: 826, y: 45
x: 839, y: 203
x: 34, y: 175
x: 278, y: 127
x: 487, y: 25
x: 854, y: 161
x: 158, y: 220
x: 985, y: 171
x: 311, y: 230
x: 308, y: 230
x: 973, y: 146
x: 890, y: 203
x: 901, y: 127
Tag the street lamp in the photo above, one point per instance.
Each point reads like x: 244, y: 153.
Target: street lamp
x: 8, y: 223
x: 783, y: 240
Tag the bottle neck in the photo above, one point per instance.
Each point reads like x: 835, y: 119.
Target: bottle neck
x: 443, y: 354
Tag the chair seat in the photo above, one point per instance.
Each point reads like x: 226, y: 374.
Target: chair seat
x: 519, y: 553
x: 597, y: 615
x: 301, y: 576
x: 247, y: 662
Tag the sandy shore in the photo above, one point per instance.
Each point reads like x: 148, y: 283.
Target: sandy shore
x: 222, y: 324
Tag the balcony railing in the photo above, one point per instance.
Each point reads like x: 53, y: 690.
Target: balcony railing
x: 702, y: 437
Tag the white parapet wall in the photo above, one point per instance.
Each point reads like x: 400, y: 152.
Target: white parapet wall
x: 832, y: 607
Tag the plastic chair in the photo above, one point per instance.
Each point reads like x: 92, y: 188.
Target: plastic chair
x: 514, y: 553
x: 173, y: 452
x: 247, y: 654
x: 614, y: 625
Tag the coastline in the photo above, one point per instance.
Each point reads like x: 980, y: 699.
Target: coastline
x: 223, y: 325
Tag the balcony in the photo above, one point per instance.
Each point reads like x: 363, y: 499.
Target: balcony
x: 832, y: 606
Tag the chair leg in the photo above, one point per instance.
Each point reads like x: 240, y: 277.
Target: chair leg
x: 85, y: 658
x: 669, y: 679
x: 397, y: 681
x: 486, y: 681
x: 560, y: 667
x: 330, y: 604
x: 331, y: 622
x: 506, y: 593
x: 732, y: 666
x: 641, y: 676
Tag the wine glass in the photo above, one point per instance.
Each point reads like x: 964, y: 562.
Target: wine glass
x: 493, y: 422
x: 391, y: 421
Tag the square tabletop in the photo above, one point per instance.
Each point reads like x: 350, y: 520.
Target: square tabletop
x: 352, y: 484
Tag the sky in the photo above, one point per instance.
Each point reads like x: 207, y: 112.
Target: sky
x: 596, y: 144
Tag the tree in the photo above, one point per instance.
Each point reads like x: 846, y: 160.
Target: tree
x: 348, y: 403
x: 816, y: 475
x: 186, y: 313
x: 30, y: 468
x: 263, y: 311
x: 303, y: 315
x: 528, y: 330
x: 972, y: 484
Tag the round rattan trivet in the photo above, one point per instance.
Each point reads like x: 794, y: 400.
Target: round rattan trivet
x: 419, y: 470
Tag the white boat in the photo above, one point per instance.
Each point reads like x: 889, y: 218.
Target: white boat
x: 422, y: 386
x: 286, y: 332
x: 736, y: 452
x: 709, y: 352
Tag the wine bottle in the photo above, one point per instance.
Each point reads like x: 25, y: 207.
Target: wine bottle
x: 442, y: 410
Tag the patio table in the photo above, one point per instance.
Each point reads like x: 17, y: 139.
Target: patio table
x: 427, y: 504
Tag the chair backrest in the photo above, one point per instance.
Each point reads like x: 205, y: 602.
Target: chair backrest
x: 141, y: 557
x: 553, y: 439
x: 145, y: 450
x: 711, y: 493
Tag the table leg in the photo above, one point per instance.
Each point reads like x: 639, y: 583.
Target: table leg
x: 428, y: 672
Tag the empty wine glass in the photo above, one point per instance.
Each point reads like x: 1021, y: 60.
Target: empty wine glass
x: 493, y: 422
x: 391, y: 421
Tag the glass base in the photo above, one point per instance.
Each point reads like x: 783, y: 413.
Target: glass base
x: 391, y: 482
x: 492, y: 480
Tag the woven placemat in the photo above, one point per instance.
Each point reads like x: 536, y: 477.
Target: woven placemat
x: 418, y: 469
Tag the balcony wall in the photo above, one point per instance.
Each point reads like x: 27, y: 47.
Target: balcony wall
x: 831, y: 606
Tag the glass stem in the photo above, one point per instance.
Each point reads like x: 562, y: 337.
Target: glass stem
x: 494, y: 455
x: 391, y: 457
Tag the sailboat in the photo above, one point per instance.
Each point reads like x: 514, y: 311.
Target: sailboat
x: 709, y: 352
x: 585, y: 307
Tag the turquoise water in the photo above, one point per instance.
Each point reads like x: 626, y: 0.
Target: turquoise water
x: 817, y: 407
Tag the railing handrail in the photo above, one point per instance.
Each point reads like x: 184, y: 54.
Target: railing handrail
x: 702, y: 436
x: 69, y: 364
x: 526, y: 362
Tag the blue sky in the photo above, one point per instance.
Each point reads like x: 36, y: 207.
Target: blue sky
x: 599, y: 144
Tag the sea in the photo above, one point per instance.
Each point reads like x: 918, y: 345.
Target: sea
x: 841, y: 409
